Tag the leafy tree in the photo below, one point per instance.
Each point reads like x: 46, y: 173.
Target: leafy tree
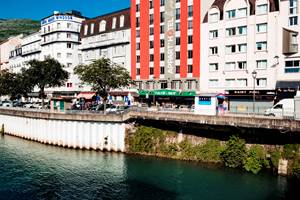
x: 234, y: 153
x: 14, y: 84
x: 255, y: 159
x: 46, y: 74
x: 103, y: 76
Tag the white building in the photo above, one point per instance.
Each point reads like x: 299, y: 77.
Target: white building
x: 9, y: 49
x: 60, y: 39
x: 241, y: 37
x: 107, y: 36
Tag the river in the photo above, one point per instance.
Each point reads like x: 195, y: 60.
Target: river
x: 29, y: 170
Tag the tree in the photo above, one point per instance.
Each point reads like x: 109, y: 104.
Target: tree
x: 14, y: 84
x: 234, y: 153
x: 103, y: 76
x: 46, y: 74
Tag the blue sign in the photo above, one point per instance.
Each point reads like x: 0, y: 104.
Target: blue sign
x: 204, y: 101
x: 57, y: 18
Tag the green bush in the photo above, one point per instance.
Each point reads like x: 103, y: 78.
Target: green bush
x: 296, y: 168
x: 275, y: 156
x: 187, y: 150
x: 290, y: 150
x: 210, y: 151
x: 169, y: 149
x: 255, y: 160
x: 234, y: 153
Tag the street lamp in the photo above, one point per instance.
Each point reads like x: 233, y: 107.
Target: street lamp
x: 254, y: 75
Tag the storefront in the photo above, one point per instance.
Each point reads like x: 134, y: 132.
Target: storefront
x: 286, y: 89
x: 241, y: 101
x: 161, y: 97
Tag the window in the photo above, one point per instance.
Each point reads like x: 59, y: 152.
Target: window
x: 138, y: 59
x: 230, y: 49
x: 122, y: 20
x: 177, y: 69
x: 190, y: 39
x: 162, y: 56
x: 69, y: 85
x: 162, y: 17
x: 190, y: 11
x: 213, y: 67
x: 92, y: 28
x: 163, y: 85
x: 242, y: 48
x: 230, y: 32
x: 102, y: 26
x: 151, y: 44
x: 190, y: 68
x: 162, y: 2
x: 262, y: 9
x: 261, y: 64
x: 190, y: 53
x: 242, y: 82
x: 242, y: 12
x: 58, y: 25
x: 86, y: 27
x: 138, y: 71
x: 138, y: 46
x: 177, y: 26
x: 151, y: 70
x: 190, y: 24
x: 137, y: 23
x: 151, y: 4
x: 177, y: 40
x: 69, y: 45
x: 69, y: 55
x: 242, y: 30
x: 162, y: 29
x: 137, y: 7
x: 177, y: 55
x: 261, y: 82
x: 213, y: 34
x: 293, y: 21
x: 162, y: 43
x: 177, y: 11
x: 229, y: 82
x: 151, y: 19
x: 137, y: 33
x: 213, y: 17
x: 162, y: 70
x: 114, y: 22
x: 151, y: 30
x: 261, y: 46
x: 231, y: 14
x: 229, y: 66
x: 293, y: 7
x: 213, y: 83
x: 68, y: 35
x: 213, y: 50
x: 69, y: 25
x: 151, y: 57
x: 242, y: 65
x: 292, y: 66
x: 261, y: 28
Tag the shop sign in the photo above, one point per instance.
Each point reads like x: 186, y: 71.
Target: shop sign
x: 56, y: 18
x: 204, y: 101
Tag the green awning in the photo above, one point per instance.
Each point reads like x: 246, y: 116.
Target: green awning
x: 172, y: 93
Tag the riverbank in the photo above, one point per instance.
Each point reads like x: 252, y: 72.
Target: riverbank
x: 234, y: 153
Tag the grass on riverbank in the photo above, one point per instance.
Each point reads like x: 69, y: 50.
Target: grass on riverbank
x: 233, y: 153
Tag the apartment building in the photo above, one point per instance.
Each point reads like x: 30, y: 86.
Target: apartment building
x: 165, y: 43
x: 107, y: 36
x: 247, y: 44
x: 60, y: 39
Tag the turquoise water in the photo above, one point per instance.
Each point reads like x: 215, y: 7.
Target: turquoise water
x: 31, y: 170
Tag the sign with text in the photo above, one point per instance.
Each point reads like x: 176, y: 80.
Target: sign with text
x: 56, y: 18
x: 170, y: 39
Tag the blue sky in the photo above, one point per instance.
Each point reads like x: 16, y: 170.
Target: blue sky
x: 38, y: 9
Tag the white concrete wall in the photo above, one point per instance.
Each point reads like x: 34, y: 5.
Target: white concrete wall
x: 70, y: 134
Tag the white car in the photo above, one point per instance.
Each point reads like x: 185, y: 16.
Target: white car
x: 7, y: 103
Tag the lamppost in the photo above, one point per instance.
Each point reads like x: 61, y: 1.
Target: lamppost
x: 254, y: 75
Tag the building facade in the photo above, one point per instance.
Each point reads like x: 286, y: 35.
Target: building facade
x: 107, y: 36
x: 246, y: 47
x: 60, y: 39
x: 165, y: 44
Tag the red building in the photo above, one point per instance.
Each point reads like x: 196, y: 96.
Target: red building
x: 165, y: 44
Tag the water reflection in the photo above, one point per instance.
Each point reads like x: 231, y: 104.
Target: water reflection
x: 31, y: 170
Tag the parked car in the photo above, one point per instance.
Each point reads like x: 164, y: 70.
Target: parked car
x: 284, y: 108
x: 7, y: 103
x: 116, y: 109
